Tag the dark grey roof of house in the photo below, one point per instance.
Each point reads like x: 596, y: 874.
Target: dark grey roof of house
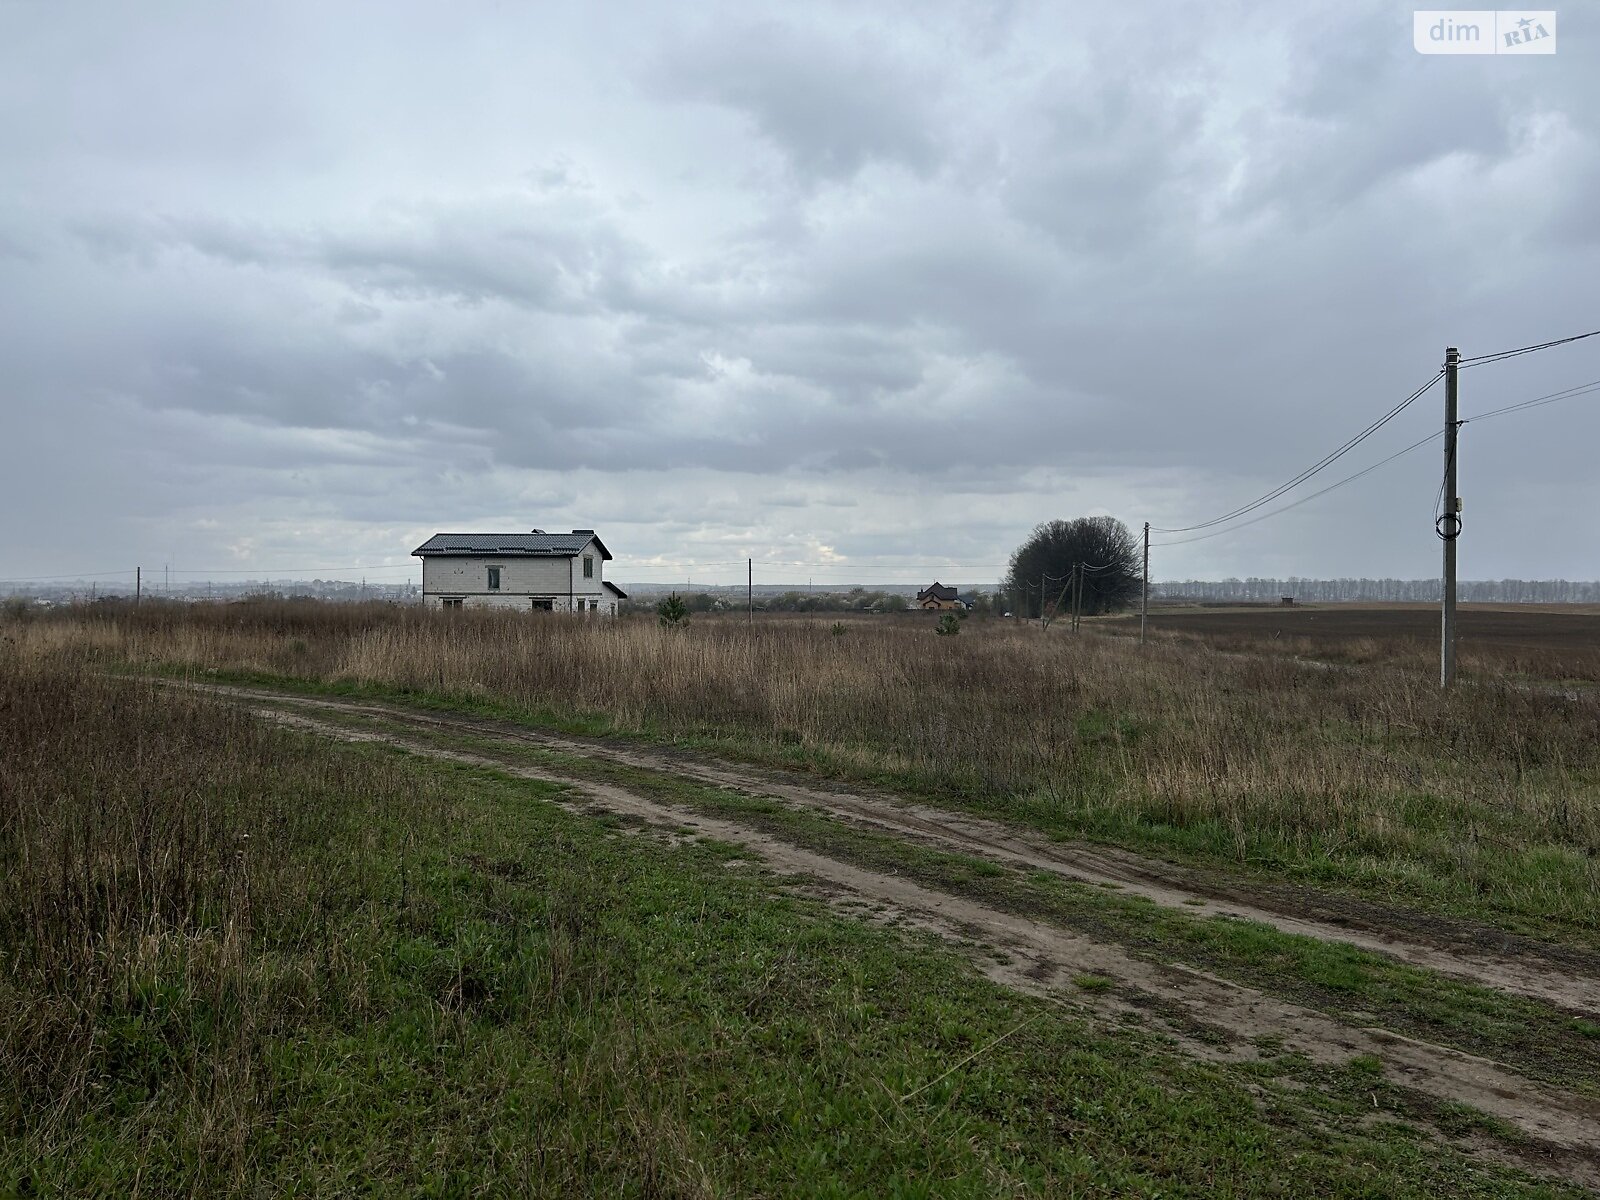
x: 611, y: 587
x: 538, y: 545
x: 938, y: 591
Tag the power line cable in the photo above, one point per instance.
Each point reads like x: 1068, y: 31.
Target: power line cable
x: 1439, y: 514
x: 1481, y: 360
x: 1305, y: 499
x: 1438, y: 501
x: 1580, y: 389
x: 266, y: 571
x: 81, y: 575
x: 1321, y: 464
x: 816, y: 566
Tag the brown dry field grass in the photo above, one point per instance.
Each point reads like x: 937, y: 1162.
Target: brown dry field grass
x: 1485, y: 801
x: 240, y: 960
x: 1539, y: 641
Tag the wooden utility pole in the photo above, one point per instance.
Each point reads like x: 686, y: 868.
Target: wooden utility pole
x: 1144, y: 598
x: 1077, y: 595
x: 1041, y: 601
x: 1448, y: 525
x: 138, y: 585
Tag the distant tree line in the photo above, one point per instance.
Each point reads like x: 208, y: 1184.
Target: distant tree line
x: 1504, y: 591
x: 856, y: 599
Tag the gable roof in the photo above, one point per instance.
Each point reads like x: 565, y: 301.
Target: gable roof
x: 613, y: 589
x: 537, y: 544
x: 937, y: 591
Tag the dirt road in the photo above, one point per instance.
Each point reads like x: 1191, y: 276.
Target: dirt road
x: 1040, y: 956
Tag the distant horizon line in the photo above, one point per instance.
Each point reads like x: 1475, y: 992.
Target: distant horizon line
x: 156, y: 585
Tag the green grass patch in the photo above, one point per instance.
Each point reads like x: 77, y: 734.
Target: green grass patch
x: 277, y: 965
x: 1417, y: 857
x: 1335, y: 977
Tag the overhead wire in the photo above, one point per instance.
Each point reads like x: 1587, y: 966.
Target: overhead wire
x: 1321, y: 464
x: 816, y: 566
x: 1305, y: 499
x: 1438, y: 501
x: 1482, y: 360
x: 1579, y: 389
x: 81, y: 575
x: 262, y: 572
x: 1568, y: 393
x: 1583, y: 389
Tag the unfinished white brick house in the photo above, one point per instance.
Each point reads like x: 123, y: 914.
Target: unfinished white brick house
x: 534, y: 572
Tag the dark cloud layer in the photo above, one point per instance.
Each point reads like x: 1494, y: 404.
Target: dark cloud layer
x: 295, y: 286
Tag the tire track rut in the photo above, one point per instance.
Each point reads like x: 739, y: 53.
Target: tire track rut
x: 1564, y: 1128
x: 1531, y: 969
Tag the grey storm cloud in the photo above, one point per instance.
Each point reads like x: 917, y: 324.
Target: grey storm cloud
x: 297, y: 284
x: 830, y: 100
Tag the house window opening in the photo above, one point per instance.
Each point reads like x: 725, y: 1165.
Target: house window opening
x: 451, y: 602
x: 494, y: 579
x: 588, y: 566
x: 542, y: 604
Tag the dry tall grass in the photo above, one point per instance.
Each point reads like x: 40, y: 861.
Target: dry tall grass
x: 129, y: 895
x: 1371, y: 774
x: 238, y: 961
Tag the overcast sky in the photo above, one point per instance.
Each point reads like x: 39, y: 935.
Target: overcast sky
x: 289, y: 287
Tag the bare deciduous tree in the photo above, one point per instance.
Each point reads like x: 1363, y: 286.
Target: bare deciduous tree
x: 1111, y: 578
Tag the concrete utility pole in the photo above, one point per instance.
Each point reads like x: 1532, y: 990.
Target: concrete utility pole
x: 138, y: 585
x: 750, y: 592
x: 1042, y: 625
x: 1144, y: 599
x: 1077, y: 595
x: 1448, y: 525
